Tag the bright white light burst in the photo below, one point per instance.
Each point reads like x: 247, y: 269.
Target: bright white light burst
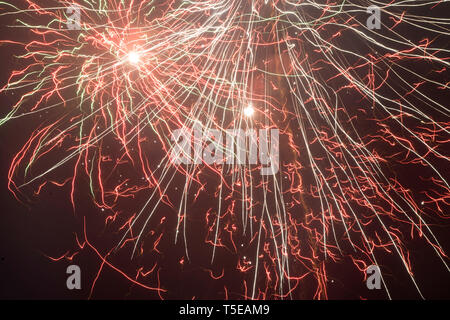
x: 249, y: 111
x: 134, y: 57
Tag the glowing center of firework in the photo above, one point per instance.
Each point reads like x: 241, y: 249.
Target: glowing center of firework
x: 249, y: 111
x: 134, y: 57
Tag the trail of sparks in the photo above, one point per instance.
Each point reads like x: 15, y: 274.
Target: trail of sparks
x: 358, y: 110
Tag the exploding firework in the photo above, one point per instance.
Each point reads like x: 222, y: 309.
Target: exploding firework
x: 352, y: 113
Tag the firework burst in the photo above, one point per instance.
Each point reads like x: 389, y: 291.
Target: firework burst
x: 357, y: 110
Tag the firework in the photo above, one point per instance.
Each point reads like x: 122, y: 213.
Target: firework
x: 356, y: 110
